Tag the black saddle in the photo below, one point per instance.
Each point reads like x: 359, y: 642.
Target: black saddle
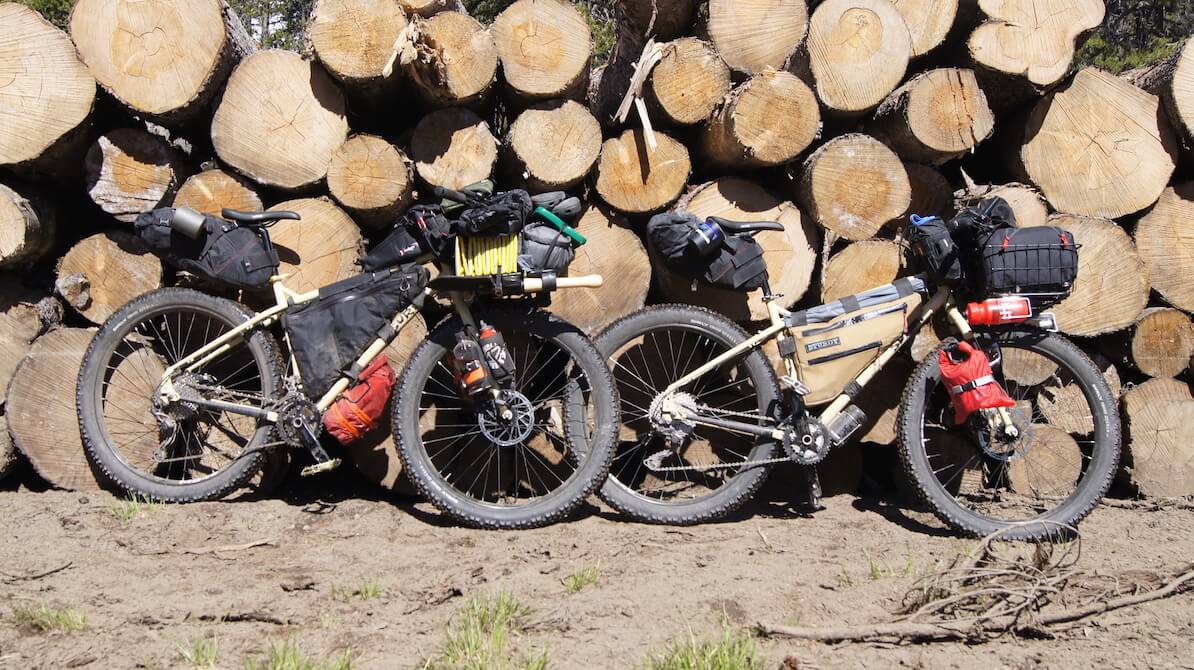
x: 259, y: 217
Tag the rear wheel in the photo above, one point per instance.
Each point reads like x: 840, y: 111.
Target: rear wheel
x: 685, y: 475
x: 1034, y: 487
x: 181, y: 451
x: 528, y: 470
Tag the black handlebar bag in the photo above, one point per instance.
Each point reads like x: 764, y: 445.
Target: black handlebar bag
x: 737, y: 264
x: 1040, y: 263
x: 502, y: 214
x: 227, y: 253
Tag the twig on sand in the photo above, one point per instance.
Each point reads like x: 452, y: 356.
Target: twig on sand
x: 227, y: 547
x: 13, y: 579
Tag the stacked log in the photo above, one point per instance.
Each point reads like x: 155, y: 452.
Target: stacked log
x: 834, y: 117
x: 1159, y: 446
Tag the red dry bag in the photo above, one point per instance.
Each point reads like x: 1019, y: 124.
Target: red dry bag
x: 360, y: 407
x: 970, y: 382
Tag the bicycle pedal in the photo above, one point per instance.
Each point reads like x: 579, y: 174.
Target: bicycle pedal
x: 320, y: 468
x: 794, y: 385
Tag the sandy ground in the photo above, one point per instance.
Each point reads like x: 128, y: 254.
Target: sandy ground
x: 158, y: 580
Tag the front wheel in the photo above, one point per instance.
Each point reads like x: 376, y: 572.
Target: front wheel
x: 525, y: 471
x: 1031, y: 488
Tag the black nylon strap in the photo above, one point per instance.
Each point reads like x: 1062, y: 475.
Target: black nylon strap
x: 387, y: 333
x: 352, y: 373
x: 787, y: 346
x: 549, y: 282
x: 904, y: 286
x: 853, y: 390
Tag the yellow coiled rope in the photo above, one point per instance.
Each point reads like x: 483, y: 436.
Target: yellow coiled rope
x: 479, y: 256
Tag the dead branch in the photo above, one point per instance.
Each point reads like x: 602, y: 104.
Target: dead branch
x: 13, y: 579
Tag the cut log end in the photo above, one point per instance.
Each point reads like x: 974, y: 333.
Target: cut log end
x: 1034, y: 42
x: 19, y: 325
x: 744, y: 132
x: 47, y: 93
x: 28, y: 228
x: 212, y: 191
x: 130, y: 171
x: 1026, y: 202
x: 280, y: 120
x: 754, y: 35
x: 1159, y: 450
x: 544, y: 47
x: 372, y: 179
x: 1165, y: 239
x: 936, y: 116
x: 453, y: 148
x: 931, y: 193
x: 1112, y: 285
x: 1060, y: 400
x: 1162, y: 343
x: 853, y: 185
x: 554, y: 145
x: 454, y: 61
x: 354, y: 39
x: 103, y: 272
x: 636, y: 179
x: 858, y: 51
x: 861, y: 266
x: 929, y: 22
x: 689, y: 82
x: 1052, y: 466
x: 322, y: 248
x: 1099, y: 147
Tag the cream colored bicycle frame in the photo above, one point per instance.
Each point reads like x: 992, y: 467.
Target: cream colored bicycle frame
x: 778, y: 330
x: 286, y: 299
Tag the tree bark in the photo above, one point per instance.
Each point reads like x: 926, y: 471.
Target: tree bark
x: 1112, y: 285
x: 19, y: 325
x: 544, y: 47
x: 744, y: 133
x: 8, y: 455
x: 1097, y: 147
x: 935, y: 117
x: 790, y: 255
x: 428, y: 8
x: 372, y: 179
x: 280, y: 120
x: 453, y: 148
x: 1159, y: 345
x: 1026, y: 202
x: 41, y: 410
x: 862, y: 266
x: 28, y: 227
x: 130, y: 171
x: 858, y: 52
x: 453, y: 61
x: 1165, y: 238
x: 1173, y: 81
x: 688, y: 83
x: 553, y: 146
x: 211, y: 191
x: 103, y: 272
x: 1159, y: 449
x: 636, y: 179
x: 853, y: 185
x: 756, y: 35
x: 614, y: 251
x: 322, y: 248
x: 162, y: 60
x: 355, y: 42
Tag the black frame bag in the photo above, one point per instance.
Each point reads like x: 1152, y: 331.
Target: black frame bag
x: 228, y: 253
x: 328, y: 334
x: 736, y: 264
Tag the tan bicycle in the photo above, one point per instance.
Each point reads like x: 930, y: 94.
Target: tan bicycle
x: 705, y: 415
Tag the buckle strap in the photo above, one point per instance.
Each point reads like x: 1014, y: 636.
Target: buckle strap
x: 971, y: 385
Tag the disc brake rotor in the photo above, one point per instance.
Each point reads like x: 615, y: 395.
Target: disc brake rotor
x: 998, y: 445
x: 512, y: 431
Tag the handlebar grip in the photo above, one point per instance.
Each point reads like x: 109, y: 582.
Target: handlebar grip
x: 587, y: 281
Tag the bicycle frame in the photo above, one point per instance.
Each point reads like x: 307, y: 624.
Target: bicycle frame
x: 941, y: 300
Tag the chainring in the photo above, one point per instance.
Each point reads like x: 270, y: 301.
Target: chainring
x: 295, y: 414
x: 808, y: 442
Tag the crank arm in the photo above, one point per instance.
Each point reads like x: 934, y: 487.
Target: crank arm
x: 739, y: 427
x: 233, y: 408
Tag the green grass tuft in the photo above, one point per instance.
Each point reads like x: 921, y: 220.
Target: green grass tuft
x: 479, y: 637
x: 201, y: 654
x: 733, y: 651
x: 133, y: 506
x: 45, y: 619
x: 582, y: 578
x: 368, y: 589
x: 288, y: 655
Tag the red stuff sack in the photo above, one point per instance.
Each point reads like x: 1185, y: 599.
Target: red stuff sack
x: 970, y: 381
x: 360, y: 407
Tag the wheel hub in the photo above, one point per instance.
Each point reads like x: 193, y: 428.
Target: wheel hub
x: 515, y: 428
x: 671, y: 416
x: 1007, y: 443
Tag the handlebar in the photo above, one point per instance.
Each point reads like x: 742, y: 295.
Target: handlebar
x: 453, y: 195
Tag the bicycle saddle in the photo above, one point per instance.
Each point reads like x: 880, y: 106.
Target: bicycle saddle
x: 750, y: 227
x: 259, y: 217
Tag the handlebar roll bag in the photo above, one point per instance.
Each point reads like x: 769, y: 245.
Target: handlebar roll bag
x: 422, y: 229
x: 223, y: 251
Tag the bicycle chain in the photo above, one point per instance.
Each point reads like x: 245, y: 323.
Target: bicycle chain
x: 715, y: 466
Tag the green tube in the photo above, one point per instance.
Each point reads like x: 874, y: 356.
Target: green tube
x: 559, y: 223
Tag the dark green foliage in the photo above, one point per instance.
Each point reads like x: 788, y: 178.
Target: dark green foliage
x: 275, y: 24
x: 1138, y: 32
x: 486, y: 11
x: 55, y: 11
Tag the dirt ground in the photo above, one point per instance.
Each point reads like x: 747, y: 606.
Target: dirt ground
x: 173, y: 574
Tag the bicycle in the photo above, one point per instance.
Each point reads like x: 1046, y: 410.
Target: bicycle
x: 181, y: 394
x: 703, y: 410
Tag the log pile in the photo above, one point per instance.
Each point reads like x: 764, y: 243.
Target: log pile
x: 837, y: 118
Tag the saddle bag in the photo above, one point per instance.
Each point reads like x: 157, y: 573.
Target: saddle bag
x: 361, y: 407
x: 736, y: 264
x: 836, y: 341
x: 1039, y: 263
x: 933, y: 245
x: 225, y: 252
x: 422, y: 229
x: 545, y: 249
x: 328, y: 334
x: 501, y: 214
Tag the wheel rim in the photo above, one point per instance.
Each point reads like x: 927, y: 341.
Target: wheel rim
x: 525, y: 466
x: 642, y: 368
x: 203, y: 442
x: 1023, y: 482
